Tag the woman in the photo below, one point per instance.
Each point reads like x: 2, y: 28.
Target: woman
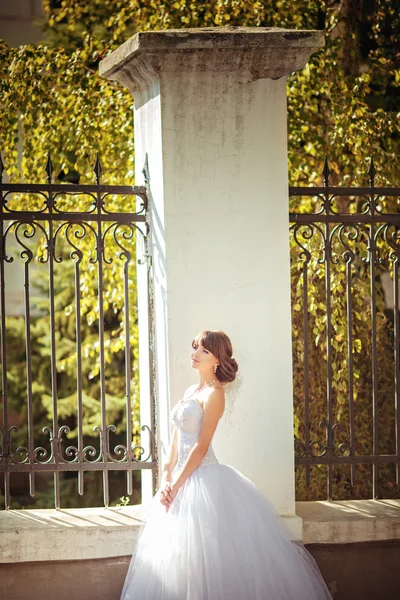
x: 210, y: 533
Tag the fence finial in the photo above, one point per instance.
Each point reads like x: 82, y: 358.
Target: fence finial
x: 49, y: 168
x: 326, y: 172
x: 145, y: 169
x: 98, y: 169
x: 372, y: 172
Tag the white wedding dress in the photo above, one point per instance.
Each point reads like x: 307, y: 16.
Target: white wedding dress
x: 221, y: 539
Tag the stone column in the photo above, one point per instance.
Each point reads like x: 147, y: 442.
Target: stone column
x: 210, y: 114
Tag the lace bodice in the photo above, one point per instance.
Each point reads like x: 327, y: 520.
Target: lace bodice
x: 187, y: 416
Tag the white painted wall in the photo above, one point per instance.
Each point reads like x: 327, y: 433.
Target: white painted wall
x: 148, y: 140
x: 219, y: 210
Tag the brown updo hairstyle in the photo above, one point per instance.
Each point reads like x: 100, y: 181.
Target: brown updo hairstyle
x: 218, y: 343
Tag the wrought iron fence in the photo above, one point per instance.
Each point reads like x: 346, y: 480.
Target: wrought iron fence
x: 342, y: 244
x: 354, y: 231
x: 51, y: 217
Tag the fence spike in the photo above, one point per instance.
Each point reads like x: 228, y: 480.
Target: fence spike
x: 49, y: 168
x: 145, y: 169
x: 98, y: 169
x: 372, y: 172
x: 326, y: 171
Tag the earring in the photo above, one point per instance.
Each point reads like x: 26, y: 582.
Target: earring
x: 215, y: 368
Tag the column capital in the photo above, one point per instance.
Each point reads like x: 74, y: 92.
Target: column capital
x: 251, y: 52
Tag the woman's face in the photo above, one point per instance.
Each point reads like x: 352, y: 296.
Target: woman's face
x: 202, y: 359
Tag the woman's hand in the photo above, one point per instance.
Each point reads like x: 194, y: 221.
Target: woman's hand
x: 164, y: 489
x: 165, y: 481
x: 168, y: 493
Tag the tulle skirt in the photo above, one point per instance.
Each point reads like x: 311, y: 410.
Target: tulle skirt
x: 221, y: 539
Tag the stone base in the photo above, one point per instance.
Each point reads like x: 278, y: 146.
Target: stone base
x: 84, y: 554
x: 349, y: 521
x: 362, y: 571
x: 100, y: 579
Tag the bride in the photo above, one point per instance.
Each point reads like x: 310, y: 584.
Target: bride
x: 211, y: 534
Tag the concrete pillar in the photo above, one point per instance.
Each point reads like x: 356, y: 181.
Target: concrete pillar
x: 210, y: 114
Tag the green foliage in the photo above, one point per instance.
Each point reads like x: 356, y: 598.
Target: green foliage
x: 123, y: 501
x: 58, y: 104
x: 334, y: 105
x: 345, y: 103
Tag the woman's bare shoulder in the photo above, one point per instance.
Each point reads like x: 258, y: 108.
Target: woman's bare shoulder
x: 217, y: 387
x: 218, y: 394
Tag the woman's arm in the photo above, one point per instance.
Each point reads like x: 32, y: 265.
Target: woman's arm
x: 172, y: 457
x: 213, y: 409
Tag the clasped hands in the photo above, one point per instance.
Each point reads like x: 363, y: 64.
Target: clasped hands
x: 168, y: 492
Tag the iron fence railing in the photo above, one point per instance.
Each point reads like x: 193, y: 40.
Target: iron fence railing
x: 50, y: 217
x: 348, y: 223
x: 351, y: 229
